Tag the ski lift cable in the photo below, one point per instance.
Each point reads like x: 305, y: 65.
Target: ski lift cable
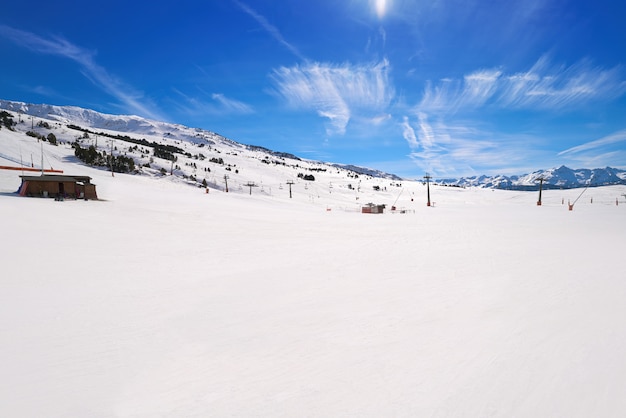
x: 581, y: 193
x: 399, y: 194
x: 48, y: 160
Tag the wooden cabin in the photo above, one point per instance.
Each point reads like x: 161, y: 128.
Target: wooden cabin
x: 372, y: 208
x: 58, y: 187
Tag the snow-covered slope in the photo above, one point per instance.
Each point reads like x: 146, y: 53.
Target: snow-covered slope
x: 117, y: 123
x: 194, y: 143
x: 167, y: 133
x: 195, y: 157
x: 164, y: 300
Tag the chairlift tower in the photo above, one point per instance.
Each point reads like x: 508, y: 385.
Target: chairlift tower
x: 112, y: 175
x: 251, y: 185
x: 289, y: 182
x: 428, y: 177
x: 541, y: 180
x: 226, y: 181
x: 172, y: 161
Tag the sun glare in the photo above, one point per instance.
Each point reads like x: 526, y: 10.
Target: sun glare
x: 381, y: 8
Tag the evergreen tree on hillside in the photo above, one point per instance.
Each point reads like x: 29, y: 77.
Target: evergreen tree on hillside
x: 91, y: 156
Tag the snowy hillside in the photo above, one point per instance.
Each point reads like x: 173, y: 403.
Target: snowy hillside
x: 193, y: 140
x: 163, y: 300
x: 199, y: 154
x: 117, y: 123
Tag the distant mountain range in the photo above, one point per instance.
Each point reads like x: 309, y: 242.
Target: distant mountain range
x: 562, y: 177
x: 555, y: 178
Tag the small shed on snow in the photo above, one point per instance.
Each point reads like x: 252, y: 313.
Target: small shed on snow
x: 372, y: 208
x: 58, y: 186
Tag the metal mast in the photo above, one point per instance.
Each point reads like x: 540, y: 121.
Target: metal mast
x: 428, y: 177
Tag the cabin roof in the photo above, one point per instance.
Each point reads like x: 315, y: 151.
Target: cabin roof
x: 57, y: 178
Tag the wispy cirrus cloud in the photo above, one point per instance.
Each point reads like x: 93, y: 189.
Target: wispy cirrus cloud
x: 53, y: 46
x: 231, y: 105
x: 450, y: 95
x: 215, y: 104
x: 336, y: 92
x: 557, y: 87
x: 446, y: 120
x: 333, y: 91
x: 614, y: 138
x: 543, y: 86
x: 98, y: 75
x: 462, y: 147
x: 408, y: 132
x: 269, y: 28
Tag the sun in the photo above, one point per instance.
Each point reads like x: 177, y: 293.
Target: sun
x: 381, y: 8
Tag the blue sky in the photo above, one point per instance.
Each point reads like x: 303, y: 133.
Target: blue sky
x: 449, y: 87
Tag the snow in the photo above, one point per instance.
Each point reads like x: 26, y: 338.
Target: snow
x: 164, y: 300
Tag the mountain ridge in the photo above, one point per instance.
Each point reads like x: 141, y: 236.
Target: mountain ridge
x: 554, y: 178
x: 558, y: 177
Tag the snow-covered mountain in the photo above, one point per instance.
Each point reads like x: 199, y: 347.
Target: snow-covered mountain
x: 137, y: 128
x: 119, y: 123
x: 194, y: 142
x: 555, y: 178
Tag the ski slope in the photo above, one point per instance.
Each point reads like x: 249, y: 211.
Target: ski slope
x: 164, y: 300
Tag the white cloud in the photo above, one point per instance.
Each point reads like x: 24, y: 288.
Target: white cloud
x: 453, y: 149
x: 335, y: 92
x: 546, y: 87
x: 479, y: 87
x: 98, y: 75
x: 379, y: 119
x: 409, y: 133
x: 447, y: 141
x: 426, y: 133
x: 450, y: 96
x: 541, y: 87
x: 614, y: 138
x: 269, y: 28
x: 427, y: 149
x: 218, y: 104
x: 231, y: 105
